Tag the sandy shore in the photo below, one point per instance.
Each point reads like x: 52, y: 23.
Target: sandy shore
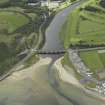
x: 29, y: 86
x: 64, y: 75
x: 19, y: 75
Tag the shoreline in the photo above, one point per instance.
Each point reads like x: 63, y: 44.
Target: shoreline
x: 17, y: 75
x: 70, y: 79
x: 63, y: 74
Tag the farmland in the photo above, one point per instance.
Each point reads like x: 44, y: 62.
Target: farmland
x: 87, y: 26
x: 84, y: 32
x: 92, y: 60
x: 3, y: 1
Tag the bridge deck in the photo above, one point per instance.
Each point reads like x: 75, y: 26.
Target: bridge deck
x: 42, y: 52
x: 50, y: 52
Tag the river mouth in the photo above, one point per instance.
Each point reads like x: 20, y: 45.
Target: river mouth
x: 53, y: 42
x: 41, y: 87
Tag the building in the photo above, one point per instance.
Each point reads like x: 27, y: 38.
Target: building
x: 33, y: 2
x: 50, y: 4
x: 101, y: 75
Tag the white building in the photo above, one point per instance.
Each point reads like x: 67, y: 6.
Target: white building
x: 33, y: 4
x: 51, y: 4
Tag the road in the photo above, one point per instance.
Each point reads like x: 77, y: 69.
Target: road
x: 89, y: 49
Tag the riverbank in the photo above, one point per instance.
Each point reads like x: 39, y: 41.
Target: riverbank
x: 52, y: 32
x: 30, y: 86
x: 18, y: 75
x: 68, y: 85
x: 64, y: 75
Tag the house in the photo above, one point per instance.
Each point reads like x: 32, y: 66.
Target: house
x: 101, y: 75
x: 50, y: 4
x: 33, y: 2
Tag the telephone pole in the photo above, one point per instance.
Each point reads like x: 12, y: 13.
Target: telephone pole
x: 49, y: 6
x: 48, y: 3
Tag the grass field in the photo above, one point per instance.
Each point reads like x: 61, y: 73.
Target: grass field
x: 92, y: 60
x: 102, y: 57
x: 11, y: 21
x: 3, y: 1
x: 95, y: 61
x: 87, y: 26
x: 18, y: 31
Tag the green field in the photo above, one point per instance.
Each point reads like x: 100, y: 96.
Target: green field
x: 10, y: 21
x: 102, y: 57
x: 84, y: 28
x: 3, y: 1
x: 18, y: 31
x: 92, y: 60
x: 87, y: 26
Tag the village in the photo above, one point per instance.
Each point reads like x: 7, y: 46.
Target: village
x: 50, y: 4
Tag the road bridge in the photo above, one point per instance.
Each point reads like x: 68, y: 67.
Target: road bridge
x: 50, y: 52
x: 53, y: 52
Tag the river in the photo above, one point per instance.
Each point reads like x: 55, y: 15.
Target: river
x: 53, y: 42
x: 31, y: 85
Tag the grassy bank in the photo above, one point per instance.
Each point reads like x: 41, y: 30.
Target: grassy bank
x: 3, y: 1
x: 73, y: 93
x: 19, y: 30
x: 84, y: 28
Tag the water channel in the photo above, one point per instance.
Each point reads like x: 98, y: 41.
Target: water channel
x: 52, y: 39
x: 54, y: 43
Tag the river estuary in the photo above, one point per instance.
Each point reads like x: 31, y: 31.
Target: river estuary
x: 40, y: 84
x: 75, y: 96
